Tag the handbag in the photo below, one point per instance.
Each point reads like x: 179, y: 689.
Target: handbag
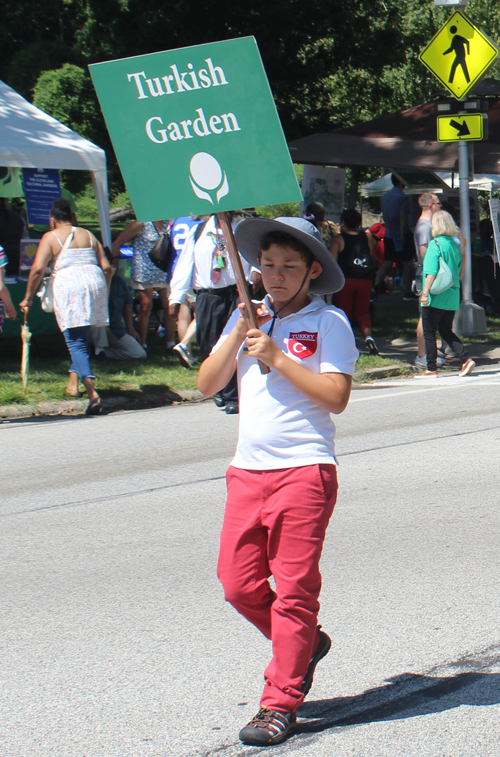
x: 46, y: 294
x: 46, y: 291
x: 444, y: 276
x: 161, y: 253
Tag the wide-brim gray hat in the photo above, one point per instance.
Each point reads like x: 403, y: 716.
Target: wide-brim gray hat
x: 250, y: 232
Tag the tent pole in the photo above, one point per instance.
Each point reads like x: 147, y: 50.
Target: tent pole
x: 100, y: 184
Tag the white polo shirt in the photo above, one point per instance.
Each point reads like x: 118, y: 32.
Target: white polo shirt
x: 279, y: 427
x: 194, y: 265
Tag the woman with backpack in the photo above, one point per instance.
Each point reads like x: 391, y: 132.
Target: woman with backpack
x: 358, y: 266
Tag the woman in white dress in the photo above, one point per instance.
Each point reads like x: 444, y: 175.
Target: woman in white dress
x: 81, y: 279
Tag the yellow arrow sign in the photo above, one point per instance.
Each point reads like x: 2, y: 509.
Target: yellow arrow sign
x: 458, y: 128
x: 459, y: 54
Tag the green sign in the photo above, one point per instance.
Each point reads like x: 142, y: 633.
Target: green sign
x: 196, y: 130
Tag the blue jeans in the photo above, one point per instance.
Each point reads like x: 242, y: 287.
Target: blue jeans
x: 77, y: 340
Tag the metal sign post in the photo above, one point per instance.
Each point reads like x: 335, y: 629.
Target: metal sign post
x: 458, y: 56
x: 463, y: 174
x: 471, y: 318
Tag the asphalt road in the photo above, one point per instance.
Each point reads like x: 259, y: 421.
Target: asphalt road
x: 116, y: 641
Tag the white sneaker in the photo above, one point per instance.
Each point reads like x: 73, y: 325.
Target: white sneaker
x: 185, y: 355
x: 372, y: 347
x: 467, y: 367
x: 421, y: 362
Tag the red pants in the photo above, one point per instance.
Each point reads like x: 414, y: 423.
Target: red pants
x: 354, y: 300
x: 274, y: 524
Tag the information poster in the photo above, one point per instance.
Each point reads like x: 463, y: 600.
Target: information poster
x: 41, y: 188
x: 196, y: 130
x: 29, y: 248
x: 325, y: 185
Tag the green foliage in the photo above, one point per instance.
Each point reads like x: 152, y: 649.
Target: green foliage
x: 87, y: 206
x: 276, y: 211
x: 330, y: 63
x: 132, y: 379
x: 27, y: 64
x: 68, y: 95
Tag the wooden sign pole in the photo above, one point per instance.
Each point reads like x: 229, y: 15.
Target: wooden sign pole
x: 224, y: 222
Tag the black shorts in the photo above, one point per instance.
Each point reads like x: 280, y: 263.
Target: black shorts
x: 401, y: 256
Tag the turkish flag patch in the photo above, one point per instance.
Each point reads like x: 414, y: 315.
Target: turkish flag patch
x: 303, y: 344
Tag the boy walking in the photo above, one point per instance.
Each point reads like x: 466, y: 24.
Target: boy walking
x: 282, y: 483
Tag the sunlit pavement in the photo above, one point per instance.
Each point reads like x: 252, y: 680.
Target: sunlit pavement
x: 116, y: 638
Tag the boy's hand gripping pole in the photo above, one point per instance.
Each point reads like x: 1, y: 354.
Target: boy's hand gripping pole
x: 225, y: 224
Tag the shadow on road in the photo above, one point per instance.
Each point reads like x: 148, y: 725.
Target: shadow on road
x: 405, y: 696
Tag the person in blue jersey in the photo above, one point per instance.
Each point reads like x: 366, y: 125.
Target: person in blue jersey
x: 186, y: 322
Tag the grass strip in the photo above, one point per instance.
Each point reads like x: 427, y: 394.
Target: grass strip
x: 48, y: 374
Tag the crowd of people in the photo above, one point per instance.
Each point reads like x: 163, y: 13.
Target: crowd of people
x: 96, y: 309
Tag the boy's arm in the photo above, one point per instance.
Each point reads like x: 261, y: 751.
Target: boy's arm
x: 218, y: 368
x: 330, y: 391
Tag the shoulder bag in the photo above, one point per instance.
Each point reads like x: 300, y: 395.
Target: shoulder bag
x: 161, y: 253
x: 444, y: 276
x: 46, y: 291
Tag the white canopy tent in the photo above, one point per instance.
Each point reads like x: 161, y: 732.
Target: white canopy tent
x: 29, y: 138
x: 433, y: 183
x: 484, y: 182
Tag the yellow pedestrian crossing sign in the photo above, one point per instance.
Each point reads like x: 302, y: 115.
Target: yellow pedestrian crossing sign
x: 456, y: 128
x: 459, y: 54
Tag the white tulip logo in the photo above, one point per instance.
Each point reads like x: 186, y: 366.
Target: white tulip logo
x: 206, y: 174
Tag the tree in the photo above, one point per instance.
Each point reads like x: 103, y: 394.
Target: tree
x: 68, y: 95
x: 331, y: 63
